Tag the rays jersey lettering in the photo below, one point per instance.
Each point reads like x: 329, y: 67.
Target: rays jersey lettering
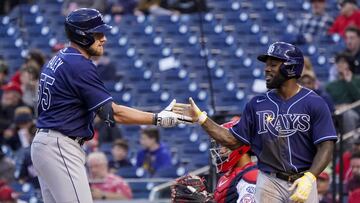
x: 283, y: 134
x: 282, y: 125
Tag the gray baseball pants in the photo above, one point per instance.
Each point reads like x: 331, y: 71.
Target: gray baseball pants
x: 60, y: 164
x: 270, y: 189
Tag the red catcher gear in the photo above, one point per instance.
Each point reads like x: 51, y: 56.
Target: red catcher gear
x: 226, y: 190
x: 225, y: 161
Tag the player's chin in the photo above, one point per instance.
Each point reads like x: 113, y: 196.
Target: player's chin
x: 98, y: 52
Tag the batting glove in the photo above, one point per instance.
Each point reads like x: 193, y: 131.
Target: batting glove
x: 200, y: 116
x: 303, y: 187
x: 166, y: 118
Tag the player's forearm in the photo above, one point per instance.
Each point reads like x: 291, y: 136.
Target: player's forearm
x: 220, y: 134
x: 127, y: 115
x: 322, y: 158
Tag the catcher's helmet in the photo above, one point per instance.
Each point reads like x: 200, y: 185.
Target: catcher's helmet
x: 290, y: 54
x: 224, y: 159
x: 80, y: 24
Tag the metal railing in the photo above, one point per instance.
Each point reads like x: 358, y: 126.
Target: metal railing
x: 338, y: 118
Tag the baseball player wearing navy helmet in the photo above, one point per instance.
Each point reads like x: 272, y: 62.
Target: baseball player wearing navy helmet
x: 289, y: 128
x: 70, y: 96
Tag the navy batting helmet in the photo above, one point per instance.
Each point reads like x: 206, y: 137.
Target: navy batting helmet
x: 290, y: 54
x: 82, y: 23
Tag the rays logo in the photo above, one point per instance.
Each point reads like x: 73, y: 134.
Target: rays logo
x: 271, y: 49
x: 282, y: 125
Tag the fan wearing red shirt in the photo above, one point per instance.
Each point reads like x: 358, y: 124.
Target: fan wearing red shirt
x: 105, y: 185
x: 349, y: 16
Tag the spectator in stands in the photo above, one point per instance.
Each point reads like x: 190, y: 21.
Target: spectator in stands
x: 7, y: 5
x: 154, y: 7
x: 188, y: 6
x: 105, y: 185
x: 37, y: 56
x: 119, y: 152
x: 309, y: 81
x: 154, y: 154
x: 6, y: 193
x: 345, y: 90
x: 4, y: 70
x: 7, y: 169
x: 349, y: 16
x: 27, y: 171
x: 3, y: 74
x: 121, y: 7
x: 353, y: 186
x: 355, y: 148
x: 71, y: 5
x: 29, y: 77
x: 20, y: 135
x: 323, y: 185
x: 352, y: 39
x: 308, y: 67
x: 314, y: 24
x: 10, y: 100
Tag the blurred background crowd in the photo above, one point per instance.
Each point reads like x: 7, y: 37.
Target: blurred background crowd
x: 159, y: 50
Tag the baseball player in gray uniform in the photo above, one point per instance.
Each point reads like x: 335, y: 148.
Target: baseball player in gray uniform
x: 289, y: 128
x: 70, y: 95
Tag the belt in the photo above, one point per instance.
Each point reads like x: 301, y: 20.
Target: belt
x: 287, y: 177
x: 79, y: 140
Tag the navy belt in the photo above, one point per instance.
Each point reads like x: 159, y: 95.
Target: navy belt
x: 79, y: 140
x: 287, y: 177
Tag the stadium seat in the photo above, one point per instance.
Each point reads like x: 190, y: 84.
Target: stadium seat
x: 131, y: 172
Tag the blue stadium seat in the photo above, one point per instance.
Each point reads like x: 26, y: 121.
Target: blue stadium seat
x: 139, y: 190
x: 167, y: 172
x: 131, y: 172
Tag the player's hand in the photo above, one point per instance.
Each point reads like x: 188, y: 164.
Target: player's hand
x: 303, y: 187
x: 166, y: 118
x: 190, y: 110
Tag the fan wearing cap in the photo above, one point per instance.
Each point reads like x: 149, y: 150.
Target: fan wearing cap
x: 237, y: 184
x: 289, y: 129
x: 323, y: 185
x: 349, y: 16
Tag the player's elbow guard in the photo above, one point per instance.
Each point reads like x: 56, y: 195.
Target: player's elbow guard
x: 106, y: 113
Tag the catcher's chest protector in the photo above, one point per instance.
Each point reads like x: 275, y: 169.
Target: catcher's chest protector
x: 226, y: 191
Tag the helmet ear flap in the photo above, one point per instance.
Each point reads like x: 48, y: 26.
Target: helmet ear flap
x: 78, y: 36
x: 288, y: 70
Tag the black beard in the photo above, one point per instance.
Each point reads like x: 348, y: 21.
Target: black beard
x: 277, y: 81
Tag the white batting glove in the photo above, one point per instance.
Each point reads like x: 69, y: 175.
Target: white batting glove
x: 166, y: 118
x: 303, y: 187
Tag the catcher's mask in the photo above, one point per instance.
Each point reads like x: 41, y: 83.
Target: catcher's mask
x: 223, y: 158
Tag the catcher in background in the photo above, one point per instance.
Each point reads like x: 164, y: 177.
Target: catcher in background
x: 237, y: 184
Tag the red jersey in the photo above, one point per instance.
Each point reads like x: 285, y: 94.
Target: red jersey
x: 342, y: 22
x: 114, y: 184
x: 237, y: 184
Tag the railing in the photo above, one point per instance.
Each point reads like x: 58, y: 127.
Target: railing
x: 342, y: 136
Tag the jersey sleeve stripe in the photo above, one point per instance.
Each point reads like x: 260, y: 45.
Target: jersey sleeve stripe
x: 333, y: 137
x: 99, y: 104
x: 239, y: 137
